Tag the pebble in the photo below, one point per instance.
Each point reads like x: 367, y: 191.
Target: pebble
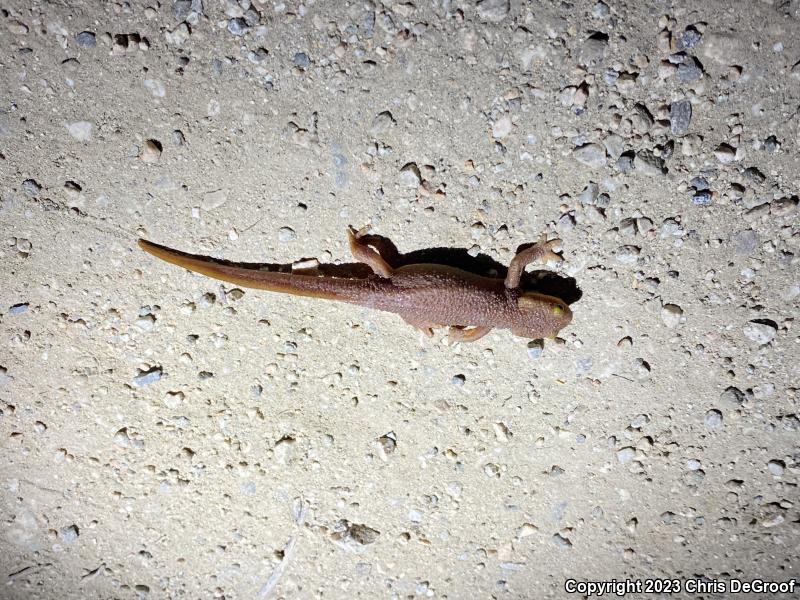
x: 410, y: 176
x: 628, y: 254
x: 69, y: 534
x: 147, y: 377
x: 237, y: 26
x: 625, y: 162
x: 680, y: 116
x: 502, y: 127
x: 761, y: 332
x: 259, y: 56
x: 783, y: 207
x: 641, y: 119
x: 642, y: 368
x: 725, y: 49
x: 702, y: 198
x: 593, y: 50
x: 86, y: 39
x: 583, y: 366
x: 615, y: 145
x: 155, y: 87
x: 251, y: 17
x: 213, y: 199
x: 776, y: 467
x: 649, y: 164
x: 689, y: 71
x: 31, y: 188
x: 754, y: 175
x: 493, y: 11
x: 562, y: 542
x: 181, y: 9
x: 535, y: 348
x: 178, y: 36
x: 589, y: 193
x: 286, y: 234
x: 591, y: 155
x: 80, y: 130
x: 687, y: 39
x: 725, y: 153
x: 600, y: 10
x: 382, y: 123
x: 301, y: 60
x: 732, y: 396
x: 771, y: 144
x: 17, y: 27
x: 745, y: 242
x: 18, y: 309
x: 151, y: 151
x: 713, y: 419
x: 671, y: 315
x: 626, y: 455
x: 610, y: 77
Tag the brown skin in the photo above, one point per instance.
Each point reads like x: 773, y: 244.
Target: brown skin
x: 424, y: 295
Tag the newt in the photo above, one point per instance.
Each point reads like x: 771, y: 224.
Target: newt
x: 426, y: 296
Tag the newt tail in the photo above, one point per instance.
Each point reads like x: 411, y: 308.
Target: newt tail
x: 330, y: 288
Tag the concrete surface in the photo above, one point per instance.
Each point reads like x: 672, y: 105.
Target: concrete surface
x: 166, y: 436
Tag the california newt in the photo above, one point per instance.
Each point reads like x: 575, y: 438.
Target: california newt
x: 424, y: 295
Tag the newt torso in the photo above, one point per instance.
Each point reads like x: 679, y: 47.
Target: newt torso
x: 424, y: 295
x: 441, y: 294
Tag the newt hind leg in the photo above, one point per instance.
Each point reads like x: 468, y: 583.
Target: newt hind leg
x: 541, y: 251
x: 464, y: 334
x: 364, y: 252
x: 425, y: 327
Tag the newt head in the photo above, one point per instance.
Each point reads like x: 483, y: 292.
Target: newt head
x: 541, y: 315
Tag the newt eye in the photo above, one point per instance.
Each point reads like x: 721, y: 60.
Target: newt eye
x: 557, y: 310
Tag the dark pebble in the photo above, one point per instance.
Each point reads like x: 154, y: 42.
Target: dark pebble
x: 301, y: 60
x: 86, y: 39
x: 680, y: 116
x: 702, y: 198
x: 688, y: 38
x: 689, y: 71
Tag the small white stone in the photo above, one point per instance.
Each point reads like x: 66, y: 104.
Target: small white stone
x: 591, y: 155
x: 410, y: 176
x: 776, y: 467
x: 761, y: 333
x: 213, y: 200
x: 151, y: 151
x: 625, y: 455
x: 725, y: 154
x: 671, y: 314
x: 155, y: 87
x: 80, y: 130
x: 502, y: 127
x: 286, y: 234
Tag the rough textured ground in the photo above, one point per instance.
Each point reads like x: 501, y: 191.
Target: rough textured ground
x: 168, y: 436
